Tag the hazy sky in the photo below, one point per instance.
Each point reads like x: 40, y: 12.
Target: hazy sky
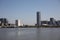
x: 25, y: 10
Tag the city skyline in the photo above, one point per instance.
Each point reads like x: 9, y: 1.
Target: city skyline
x: 25, y: 10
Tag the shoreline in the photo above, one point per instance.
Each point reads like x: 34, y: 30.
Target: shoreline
x: 30, y: 27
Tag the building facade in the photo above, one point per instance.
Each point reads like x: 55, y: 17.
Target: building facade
x: 38, y: 19
x: 18, y: 23
x: 52, y: 21
x: 3, y: 22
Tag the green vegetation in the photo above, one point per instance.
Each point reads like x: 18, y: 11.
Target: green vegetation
x: 26, y: 26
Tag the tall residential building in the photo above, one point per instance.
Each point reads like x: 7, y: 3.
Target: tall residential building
x: 18, y: 23
x: 38, y: 19
x: 52, y: 21
x: 3, y: 22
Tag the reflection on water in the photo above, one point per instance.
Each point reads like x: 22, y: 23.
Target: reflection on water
x: 30, y: 34
x: 38, y: 34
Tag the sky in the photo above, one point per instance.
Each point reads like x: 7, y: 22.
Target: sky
x: 25, y: 10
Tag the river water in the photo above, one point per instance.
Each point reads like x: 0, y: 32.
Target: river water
x: 29, y: 33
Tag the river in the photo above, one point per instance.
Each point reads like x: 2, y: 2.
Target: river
x: 29, y: 33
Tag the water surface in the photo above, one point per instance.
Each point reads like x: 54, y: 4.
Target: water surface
x: 29, y: 33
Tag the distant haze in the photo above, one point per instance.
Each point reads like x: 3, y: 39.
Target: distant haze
x: 25, y: 10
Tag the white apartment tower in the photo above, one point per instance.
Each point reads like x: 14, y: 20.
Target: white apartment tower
x: 18, y: 23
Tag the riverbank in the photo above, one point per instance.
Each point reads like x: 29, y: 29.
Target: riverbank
x: 30, y: 27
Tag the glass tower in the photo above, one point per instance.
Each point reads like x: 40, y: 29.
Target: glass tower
x: 38, y: 19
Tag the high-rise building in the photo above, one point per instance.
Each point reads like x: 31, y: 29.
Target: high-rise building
x: 18, y: 23
x: 52, y: 21
x: 3, y: 22
x: 38, y: 19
